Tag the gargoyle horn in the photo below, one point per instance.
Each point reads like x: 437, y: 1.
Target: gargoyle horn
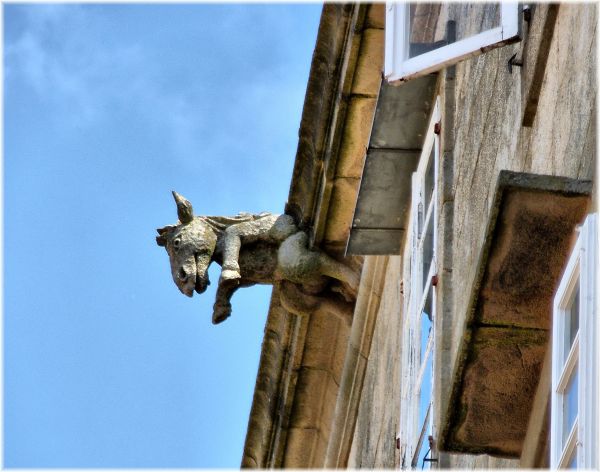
x: 185, y: 212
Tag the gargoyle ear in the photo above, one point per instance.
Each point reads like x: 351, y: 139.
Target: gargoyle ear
x: 161, y: 239
x: 185, y: 212
x: 165, y: 229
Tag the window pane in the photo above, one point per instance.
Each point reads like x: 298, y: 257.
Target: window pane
x: 429, y: 177
x: 427, y: 249
x: 424, y: 405
x: 425, y: 393
x: 572, y: 321
x: 429, y: 23
x: 421, y: 464
x: 426, y: 318
x: 570, y: 405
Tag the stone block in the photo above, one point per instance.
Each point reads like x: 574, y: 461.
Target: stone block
x: 341, y: 210
x: 498, y: 390
x: 531, y: 245
x: 328, y: 407
x: 339, y: 352
x: 300, y: 447
x: 376, y: 16
x: 319, y: 346
x: 309, y: 398
x: 369, y: 67
x: 355, y: 139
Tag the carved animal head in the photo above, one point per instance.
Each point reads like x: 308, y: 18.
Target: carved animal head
x: 190, y: 245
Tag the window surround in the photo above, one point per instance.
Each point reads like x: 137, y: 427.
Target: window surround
x: 399, y: 68
x: 576, y: 360
x: 418, y: 292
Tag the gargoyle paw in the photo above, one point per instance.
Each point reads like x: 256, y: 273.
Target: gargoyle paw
x: 221, y: 312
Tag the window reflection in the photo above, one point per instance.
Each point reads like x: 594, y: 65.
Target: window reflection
x: 572, y: 321
x: 570, y: 404
x: 429, y: 180
x: 426, y: 322
x: 427, y: 249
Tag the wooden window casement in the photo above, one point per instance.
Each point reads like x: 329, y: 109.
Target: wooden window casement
x: 416, y: 408
x: 574, y: 399
x: 421, y: 38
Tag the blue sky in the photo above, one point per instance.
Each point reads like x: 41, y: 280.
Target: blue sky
x: 107, y: 108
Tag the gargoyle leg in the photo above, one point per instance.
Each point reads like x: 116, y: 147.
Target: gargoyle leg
x: 231, y: 253
x: 339, y: 271
x: 222, y: 306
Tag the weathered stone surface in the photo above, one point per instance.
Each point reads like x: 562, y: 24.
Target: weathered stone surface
x: 341, y: 209
x: 340, y: 349
x: 356, y: 137
x: 568, y: 96
x: 301, y: 447
x: 322, y: 127
x: 504, y: 370
x: 487, y: 138
x: 538, y: 40
x: 319, y: 106
x: 530, y: 248
x: 376, y: 16
x: 367, y: 76
x: 526, y: 246
x: 310, y: 394
x: 374, y: 441
x: 317, y: 350
x: 488, y: 133
x: 269, y: 398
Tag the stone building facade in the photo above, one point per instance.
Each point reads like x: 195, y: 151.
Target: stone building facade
x: 465, y: 195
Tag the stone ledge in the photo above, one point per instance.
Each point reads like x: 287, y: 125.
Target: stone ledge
x: 528, y: 239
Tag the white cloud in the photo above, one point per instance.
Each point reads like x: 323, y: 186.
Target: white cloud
x: 219, y: 115
x: 59, y: 57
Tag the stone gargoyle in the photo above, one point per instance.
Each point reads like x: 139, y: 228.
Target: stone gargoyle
x: 251, y: 249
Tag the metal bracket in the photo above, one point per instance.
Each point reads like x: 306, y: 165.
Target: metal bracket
x: 527, y: 13
x: 512, y: 62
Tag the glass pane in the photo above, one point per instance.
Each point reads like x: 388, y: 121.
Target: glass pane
x: 424, y: 405
x: 426, y: 322
x: 429, y: 177
x: 570, y: 405
x: 427, y: 249
x: 572, y: 321
x: 420, y: 219
x: 433, y: 25
x: 425, y: 392
x: 424, y: 451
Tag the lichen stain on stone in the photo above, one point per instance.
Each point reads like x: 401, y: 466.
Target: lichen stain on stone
x: 531, y: 243
x: 498, y: 386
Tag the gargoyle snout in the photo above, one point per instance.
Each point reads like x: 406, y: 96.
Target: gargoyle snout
x: 182, y: 274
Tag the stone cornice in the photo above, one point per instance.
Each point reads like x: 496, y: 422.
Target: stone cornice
x: 302, y: 357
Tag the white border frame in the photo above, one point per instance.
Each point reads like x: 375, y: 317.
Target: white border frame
x: 414, y: 299
x: 398, y: 68
x: 581, y: 266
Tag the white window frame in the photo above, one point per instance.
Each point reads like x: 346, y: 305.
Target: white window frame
x: 411, y: 433
x: 581, y: 268
x: 399, y: 68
